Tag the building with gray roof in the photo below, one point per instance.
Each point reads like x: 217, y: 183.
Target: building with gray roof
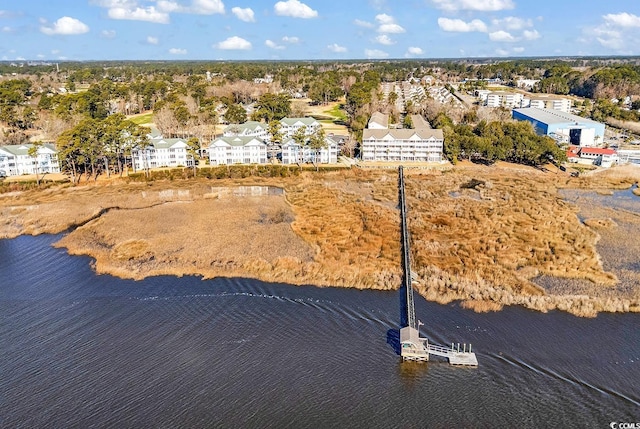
x: 563, y: 127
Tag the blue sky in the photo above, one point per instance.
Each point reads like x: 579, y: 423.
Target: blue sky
x: 314, y: 29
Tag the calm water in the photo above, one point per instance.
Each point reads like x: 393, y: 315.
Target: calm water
x: 80, y: 350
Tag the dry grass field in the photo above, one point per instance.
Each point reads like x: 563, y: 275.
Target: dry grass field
x: 489, y: 236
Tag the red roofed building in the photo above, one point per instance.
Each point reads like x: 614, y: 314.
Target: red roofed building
x: 592, y: 155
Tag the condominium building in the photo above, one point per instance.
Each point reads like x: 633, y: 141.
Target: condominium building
x: 16, y: 161
x: 506, y: 99
x: 238, y: 150
x: 294, y: 153
x: 417, y: 144
x: 162, y: 153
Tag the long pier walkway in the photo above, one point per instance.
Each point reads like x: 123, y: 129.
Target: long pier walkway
x: 412, y: 346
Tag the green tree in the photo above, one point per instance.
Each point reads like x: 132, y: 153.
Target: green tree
x: 272, y: 107
x: 194, y: 149
x: 317, y: 142
x: 235, y: 114
x: 275, y: 132
x: 33, y: 153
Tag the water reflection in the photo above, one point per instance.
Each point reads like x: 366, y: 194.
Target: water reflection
x: 213, y: 192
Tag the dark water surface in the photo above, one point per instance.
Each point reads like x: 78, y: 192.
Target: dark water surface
x: 80, y: 350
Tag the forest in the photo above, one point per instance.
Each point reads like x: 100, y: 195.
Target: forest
x: 88, y: 108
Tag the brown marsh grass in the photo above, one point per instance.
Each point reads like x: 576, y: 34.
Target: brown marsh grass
x: 483, y: 235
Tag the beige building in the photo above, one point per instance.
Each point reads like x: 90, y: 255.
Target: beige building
x: 418, y: 144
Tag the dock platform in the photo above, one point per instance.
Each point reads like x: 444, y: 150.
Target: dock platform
x: 412, y: 347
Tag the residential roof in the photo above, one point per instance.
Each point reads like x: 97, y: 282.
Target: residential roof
x: 166, y: 143
x: 23, y: 149
x: 291, y: 141
x: 236, y: 141
x: 402, y: 134
x: 550, y: 116
x: 546, y: 97
x: 419, y: 122
x: 380, y: 119
x: 306, y: 121
x: 248, y: 126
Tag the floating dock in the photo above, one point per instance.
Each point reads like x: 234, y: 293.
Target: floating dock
x: 412, y: 346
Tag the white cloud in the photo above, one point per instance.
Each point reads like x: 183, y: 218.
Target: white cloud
x: 617, y: 32
x: 512, y: 23
x: 609, y: 38
x: 364, y: 24
x: 294, y: 9
x: 414, y: 51
x: 66, y: 26
x: 518, y: 49
x: 273, y: 45
x: 502, y: 52
x: 177, y: 51
x: 198, y: 7
x: 383, y: 39
x: 387, y: 24
x: 375, y: 53
x: 458, y: 25
x: 108, y: 34
x: 623, y: 19
x: 501, y: 36
x: 152, y: 40
x: 291, y: 39
x: 207, y: 7
x: 245, y: 14
x: 7, y: 29
x: 233, y: 43
x: 147, y: 14
x: 336, y: 48
x: 479, y: 5
x: 531, y: 35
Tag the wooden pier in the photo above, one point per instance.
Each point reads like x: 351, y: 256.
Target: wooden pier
x: 412, y: 346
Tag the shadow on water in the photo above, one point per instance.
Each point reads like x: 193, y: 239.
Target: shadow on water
x: 393, y: 339
x: 393, y: 335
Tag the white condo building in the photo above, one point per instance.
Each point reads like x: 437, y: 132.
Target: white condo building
x: 248, y: 129
x: 162, y: 153
x: 543, y: 101
x: 290, y: 125
x: 238, y: 150
x: 506, y: 99
x: 419, y: 144
x: 293, y: 153
x: 16, y: 161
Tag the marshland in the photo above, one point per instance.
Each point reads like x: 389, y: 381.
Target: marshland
x: 488, y: 236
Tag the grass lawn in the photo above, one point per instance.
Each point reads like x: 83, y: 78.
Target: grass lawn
x: 145, y: 118
x: 337, y: 112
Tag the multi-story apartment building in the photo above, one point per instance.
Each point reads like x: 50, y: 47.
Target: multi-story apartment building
x: 420, y: 144
x: 162, y: 153
x: 237, y: 150
x: 16, y: 161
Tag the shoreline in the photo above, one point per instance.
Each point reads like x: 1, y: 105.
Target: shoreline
x: 483, y: 245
